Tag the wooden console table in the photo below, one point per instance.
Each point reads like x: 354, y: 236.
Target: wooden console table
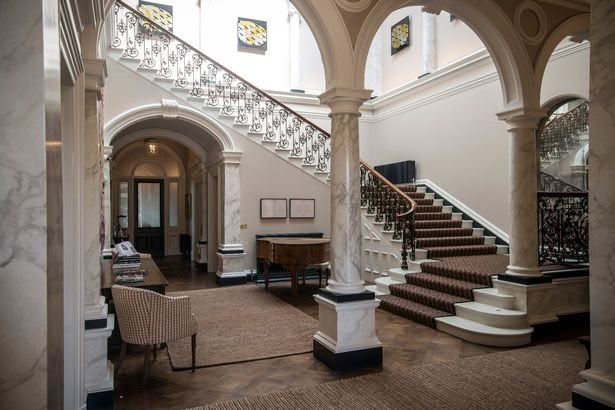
x: 154, y: 280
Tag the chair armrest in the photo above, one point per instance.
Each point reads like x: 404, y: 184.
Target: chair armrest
x: 172, y: 318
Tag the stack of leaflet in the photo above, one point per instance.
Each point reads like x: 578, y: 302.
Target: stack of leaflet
x: 127, y: 264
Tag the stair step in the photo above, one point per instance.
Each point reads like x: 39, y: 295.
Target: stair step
x: 432, y: 298
x: 399, y: 274
x: 478, y: 231
x: 477, y: 269
x: 467, y: 224
x: 442, y: 232
x: 468, y: 250
x: 432, y: 216
x: 443, y: 284
x: 428, y: 209
x: 489, y: 240
x: 449, y: 241
x: 423, y: 201
x: 374, y: 288
x: 502, y: 249
x: 437, y: 224
x: 414, y: 311
x: 384, y: 282
x: 491, y: 296
x: 483, y: 334
x: 492, y: 315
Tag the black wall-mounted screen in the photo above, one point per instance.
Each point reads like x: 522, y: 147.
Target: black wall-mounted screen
x: 399, y: 172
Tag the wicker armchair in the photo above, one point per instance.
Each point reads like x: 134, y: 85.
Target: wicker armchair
x: 148, y: 318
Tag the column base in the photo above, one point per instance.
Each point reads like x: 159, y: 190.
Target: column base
x: 523, y: 272
x: 346, y: 338
x: 98, y: 370
x: 230, y: 269
x: 596, y: 394
x: 534, y: 299
x: 96, y: 315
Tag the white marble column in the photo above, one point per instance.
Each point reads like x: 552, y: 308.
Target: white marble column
x: 31, y: 265
x: 294, y: 48
x: 346, y: 337
x: 107, y: 201
x: 230, y: 250
x: 522, y: 201
x: 429, y: 43
x: 600, y: 385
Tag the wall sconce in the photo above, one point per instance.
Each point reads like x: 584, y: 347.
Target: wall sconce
x: 152, y: 147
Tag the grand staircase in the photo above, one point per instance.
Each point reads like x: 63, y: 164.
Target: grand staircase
x: 447, y: 283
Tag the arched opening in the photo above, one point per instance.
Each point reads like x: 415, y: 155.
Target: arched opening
x: 563, y: 147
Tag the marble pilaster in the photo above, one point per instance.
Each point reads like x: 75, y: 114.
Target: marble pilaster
x: 599, y: 387
x: 230, y: 250
x: 107, y: 197
x: 429, y: 43
x: 31, y: 263
x: 294, y: 44
x: 202, y: 242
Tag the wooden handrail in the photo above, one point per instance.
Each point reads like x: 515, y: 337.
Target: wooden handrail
x: 394, y: 188
x: 186, y: 44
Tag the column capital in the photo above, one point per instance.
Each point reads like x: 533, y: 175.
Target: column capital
x: 95, y: 74
x: 522, y: 117
x: 345, y: 100
x: 108, y: 150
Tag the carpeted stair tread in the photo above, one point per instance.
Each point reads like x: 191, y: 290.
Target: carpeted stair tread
x: 478, y: 269
x: 415, y: 195
x: 407, y: 188
x: 432, y: 216
x: 437, y: 224
x: 449, y: 241
x: 429, y: 297
x: 468, y: 250
x: 423, y: 201
x: 414, y: 311
x: 420, y: 209
x: 443, y: 232
x: 443, y: 284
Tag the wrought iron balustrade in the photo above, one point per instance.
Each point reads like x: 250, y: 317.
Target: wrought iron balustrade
x: 564, y: 133
x: 173, y: 59
x: 563, y: 231
x: 549, y: 183
x: 391, y: 206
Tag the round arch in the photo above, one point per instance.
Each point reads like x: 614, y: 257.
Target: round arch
x: 573, y: 25
x: 487, y: 20
x: 168, y: 110
x: 126, y: 148
x: 137, y: 136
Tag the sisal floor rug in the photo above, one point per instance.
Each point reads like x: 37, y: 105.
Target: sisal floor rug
x: 532, y: 378
x: 242, y: 323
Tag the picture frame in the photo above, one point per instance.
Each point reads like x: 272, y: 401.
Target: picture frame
x: 251, y: 35
x: 400, y: 35
x: 161, y: 14
x: 274, y: 208
x: 302, y: 208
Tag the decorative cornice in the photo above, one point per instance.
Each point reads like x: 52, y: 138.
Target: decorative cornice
x: 345, y: 100
x: 95, y: 74
x: 522, y: 117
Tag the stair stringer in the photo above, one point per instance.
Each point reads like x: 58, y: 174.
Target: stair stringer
x: 228, y: 122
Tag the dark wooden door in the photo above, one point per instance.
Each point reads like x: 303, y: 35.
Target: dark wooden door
x: 149, y: 213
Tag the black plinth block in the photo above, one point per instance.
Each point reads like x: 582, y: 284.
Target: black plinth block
x: 524, y: 280
x: 100, y: 401
x: 585, y: 403
x: 347, y: 297
x: 356, y: 359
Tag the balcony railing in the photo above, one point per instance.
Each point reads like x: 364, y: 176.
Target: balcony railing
x: 173, y: 59
x: 563, y: 228
x: 391, y: 206
x: 564, y: 133
x: 549, y: 183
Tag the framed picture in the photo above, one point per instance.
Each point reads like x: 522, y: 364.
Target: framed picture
x: 162, y: 14
x: 273, y: 208
x: 301, y: 208
x: 251, y: 35
x: 400, y: 35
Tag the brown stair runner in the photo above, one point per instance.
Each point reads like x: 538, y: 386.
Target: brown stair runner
x: 466, y: 263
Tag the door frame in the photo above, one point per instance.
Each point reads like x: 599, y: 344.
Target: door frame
x: 162, y: 183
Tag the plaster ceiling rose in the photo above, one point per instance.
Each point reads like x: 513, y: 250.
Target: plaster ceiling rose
x: 531, y: 10
x: 353, y: 6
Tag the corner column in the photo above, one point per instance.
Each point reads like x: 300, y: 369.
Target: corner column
x: 346, y: 338
x: 598, y: 392
x: 202, y: 242
x: 98, y: 322
x: 230, y: 250
x: 429, y: 43
x: 108, y: 150
x: 523, y: 277
x: 294, y: 43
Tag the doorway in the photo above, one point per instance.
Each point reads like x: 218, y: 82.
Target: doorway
x: 149, y: 212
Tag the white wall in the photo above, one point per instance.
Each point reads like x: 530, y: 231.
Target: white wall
x: 454, y: 40
x: 567, y: 73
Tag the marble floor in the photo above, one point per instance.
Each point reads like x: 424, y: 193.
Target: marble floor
x: 405, y: 344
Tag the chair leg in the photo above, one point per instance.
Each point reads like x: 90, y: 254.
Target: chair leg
x: 146, y: 364
x: 122, y: 356
x: 193, y: 352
